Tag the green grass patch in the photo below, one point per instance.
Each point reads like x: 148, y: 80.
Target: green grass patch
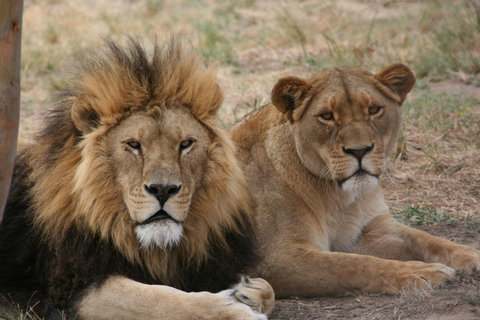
x: 439, y: 111
x: 154, y: 7
x: 213, y: 44
x: 423, y: 216
x: 448, y: 122
x: 417, y: 216
x: 446, y: 116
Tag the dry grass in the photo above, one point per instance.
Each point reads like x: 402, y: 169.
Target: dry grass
x: 441, y: 164
x: 10, y: 310
x: 254, y: 42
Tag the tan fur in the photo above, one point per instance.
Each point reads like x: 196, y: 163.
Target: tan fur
x: 99, y: 186
x: 324, y: 227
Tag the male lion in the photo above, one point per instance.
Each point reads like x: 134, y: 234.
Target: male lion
x: 131, y: 194
x: 313, y: 158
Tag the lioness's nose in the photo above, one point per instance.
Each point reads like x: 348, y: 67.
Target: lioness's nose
x: 358, y: 152
x: 163, y: 192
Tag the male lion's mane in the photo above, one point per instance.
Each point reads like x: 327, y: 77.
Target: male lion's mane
x: 66, y: 225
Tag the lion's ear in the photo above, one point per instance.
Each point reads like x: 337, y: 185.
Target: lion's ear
x: 288, y: 93
x: 397, y: 77
x: 84, y: 116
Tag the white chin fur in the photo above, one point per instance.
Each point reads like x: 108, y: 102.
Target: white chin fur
x: 163, y: 234
x: 359, y: 185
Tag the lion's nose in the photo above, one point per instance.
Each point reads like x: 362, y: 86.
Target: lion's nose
x: 358, y: 152
x: 163, y: 192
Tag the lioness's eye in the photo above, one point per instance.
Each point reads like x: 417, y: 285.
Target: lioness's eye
x: 374, y: 110
x: 134, y: 144
x: 185, y: 144
x: 327, y: 116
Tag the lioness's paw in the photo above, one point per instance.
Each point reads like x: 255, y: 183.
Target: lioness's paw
x: 255, y: 293
x: 419, y: 275
x: 464, y: 259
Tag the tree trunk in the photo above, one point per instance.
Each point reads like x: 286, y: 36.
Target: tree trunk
x: 10, y: 45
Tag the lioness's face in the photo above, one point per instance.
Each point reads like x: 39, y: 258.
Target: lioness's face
x: 344, y: 124
x: 159, y: 158
x: 345, y: 134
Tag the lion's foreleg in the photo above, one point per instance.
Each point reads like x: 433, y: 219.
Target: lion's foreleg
x: 122, y: 298
x: 384, y: 237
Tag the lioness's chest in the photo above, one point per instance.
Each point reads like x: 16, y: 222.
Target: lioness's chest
x: 339, y: 228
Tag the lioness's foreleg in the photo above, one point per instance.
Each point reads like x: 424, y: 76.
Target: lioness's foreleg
x: 386, y: 238
x: 122, y: 298
x: 306, y: 271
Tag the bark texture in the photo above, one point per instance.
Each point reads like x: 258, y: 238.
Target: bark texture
x: 10, y: 48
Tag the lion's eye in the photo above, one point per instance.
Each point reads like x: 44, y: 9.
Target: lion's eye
x: 185, y: 144
x: 327, y: 116
x: 134, y: 144
x: 374, y: 110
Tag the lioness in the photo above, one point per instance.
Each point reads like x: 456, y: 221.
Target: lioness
x: 313, y: 158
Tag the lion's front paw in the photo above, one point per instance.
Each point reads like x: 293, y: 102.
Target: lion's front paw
x: 415, y: 275
x: 221, y: 305
x: 255, y: 293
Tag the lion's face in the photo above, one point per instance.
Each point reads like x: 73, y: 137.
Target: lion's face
x: 133, y: 155
x: 159, y: 158
x: 344, y: 122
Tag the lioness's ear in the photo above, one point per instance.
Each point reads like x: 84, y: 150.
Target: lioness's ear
x: 83, y: 116
x: 397, y: 77
x: 288, y: 94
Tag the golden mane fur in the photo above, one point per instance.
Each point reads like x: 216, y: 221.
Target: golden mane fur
x: 73, y: 184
